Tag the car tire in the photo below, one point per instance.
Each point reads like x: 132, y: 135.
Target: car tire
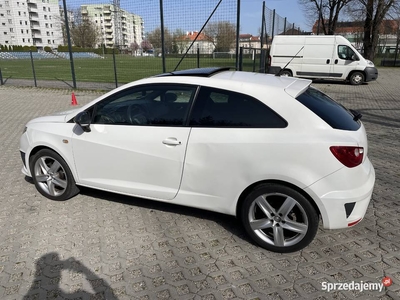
x: 279, y: 218
x: 52, y: 176
x: 286, y: 73
x: 356, y: 78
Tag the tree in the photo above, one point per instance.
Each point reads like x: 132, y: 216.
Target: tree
x: 146, y: 45
x: 375, y: 13
x: 134, y: 47
x: 372, y: 13
x: 85, y: 33
x: 327, y: 11
x: 222, y: 34
x: 155, y: 39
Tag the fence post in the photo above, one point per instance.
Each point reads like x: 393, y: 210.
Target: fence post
x: 254, y: 59
x: 273, y: 23
x: 262, y: 30
x: 115, y: 69
x: 1, y: 78
x: 198, y: 57
x: 162, y: 36
x: 237, y: 32
x: 33, y: 68
x: 262, y: 60
x: 71, y: 58
x: 240, y: 61
x: 284, y: 27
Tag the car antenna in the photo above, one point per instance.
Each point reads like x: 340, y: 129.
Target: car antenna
x: 280, y: 71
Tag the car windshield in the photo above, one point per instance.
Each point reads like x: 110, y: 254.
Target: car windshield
x: 333, y: 113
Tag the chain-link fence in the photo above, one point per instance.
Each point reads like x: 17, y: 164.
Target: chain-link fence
x: 255, y: 58
x: 117, y: 41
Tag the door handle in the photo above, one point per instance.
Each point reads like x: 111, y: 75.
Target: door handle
x: 171, y: 142
x: 328, y: 61
x: 336, y: 61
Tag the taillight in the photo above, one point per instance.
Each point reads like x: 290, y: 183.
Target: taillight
x: 349, y: 156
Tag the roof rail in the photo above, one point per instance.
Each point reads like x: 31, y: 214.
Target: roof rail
x: 199, y: 72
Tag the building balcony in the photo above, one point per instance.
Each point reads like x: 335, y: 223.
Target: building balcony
x: 107, y: 18
x: 31, y: 1
x: 35, y: 26
x: 84, y: 11
x: 32, y: 8
x: 109, y: 36
x: 37, y: 35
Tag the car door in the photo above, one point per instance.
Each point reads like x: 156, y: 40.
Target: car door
x: 346, y: 60
x: 137, y: 141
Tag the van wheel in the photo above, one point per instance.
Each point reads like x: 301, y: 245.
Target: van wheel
x: 286, y: 73
x: 357, y: 78
x: 279, y: 218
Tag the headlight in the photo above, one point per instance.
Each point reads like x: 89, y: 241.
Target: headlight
x: 370, y: 63
x: 25, y: 128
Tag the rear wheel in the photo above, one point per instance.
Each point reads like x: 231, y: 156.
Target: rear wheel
x: 356, y: 78
x: 279, y: 218
x: 286, y: 73
x: 52, y: 176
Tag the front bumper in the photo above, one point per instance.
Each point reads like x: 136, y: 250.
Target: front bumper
x: 371, y: 73
x: 343, y: 196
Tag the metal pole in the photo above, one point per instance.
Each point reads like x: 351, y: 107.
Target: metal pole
x: 254, y: 60
x: 262, y: 31
x: 1, y: 78
x: 284, y: 27
x: 162, y: 36
x: 319, y: 15
x: 33, y: 68
x: 273, y: 23
x: 115, y: 69
x: 71, y: 59
x: 237, y: 33
x: 198, y: 57
x: 240, y: 62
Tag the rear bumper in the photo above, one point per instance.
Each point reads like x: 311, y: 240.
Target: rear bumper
x: 371, y: 73
x: 343, y: 196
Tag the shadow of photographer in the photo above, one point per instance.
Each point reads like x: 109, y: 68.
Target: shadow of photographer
x: 48, y: 278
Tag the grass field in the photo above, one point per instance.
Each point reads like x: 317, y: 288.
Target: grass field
x: 102, y: 70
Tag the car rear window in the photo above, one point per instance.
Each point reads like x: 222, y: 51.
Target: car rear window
x: 333, y: 113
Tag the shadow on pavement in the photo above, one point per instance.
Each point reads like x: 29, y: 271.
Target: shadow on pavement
x: 46, y: 284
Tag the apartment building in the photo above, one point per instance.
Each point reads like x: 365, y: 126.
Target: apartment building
x: 30, y: 22
x: 118, y: 27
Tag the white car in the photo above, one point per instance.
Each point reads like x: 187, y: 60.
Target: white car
x: 272, y: 151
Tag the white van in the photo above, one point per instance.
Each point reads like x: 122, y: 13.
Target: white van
x: 319, y: 56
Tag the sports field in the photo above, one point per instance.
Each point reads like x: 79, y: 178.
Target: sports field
x: 102, y: 70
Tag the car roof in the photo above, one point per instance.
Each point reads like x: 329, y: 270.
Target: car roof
x: 292, y: 86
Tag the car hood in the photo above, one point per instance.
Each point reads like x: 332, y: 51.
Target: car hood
x: 59, y: 117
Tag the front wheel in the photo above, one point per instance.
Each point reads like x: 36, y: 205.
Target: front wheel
x: 52, y: 176
x: 356, y: 78
x: 279, y: 218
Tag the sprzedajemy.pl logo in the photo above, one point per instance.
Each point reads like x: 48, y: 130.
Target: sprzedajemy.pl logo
x: 357, y: 286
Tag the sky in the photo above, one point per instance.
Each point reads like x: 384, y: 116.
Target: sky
x: 190, y: 15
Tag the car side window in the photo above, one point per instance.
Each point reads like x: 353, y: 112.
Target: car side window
x: 346, y: 53
x: 150, y: 105
x: 222, y: 108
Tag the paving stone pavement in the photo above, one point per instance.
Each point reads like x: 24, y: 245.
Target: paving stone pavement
x: 104, y: 246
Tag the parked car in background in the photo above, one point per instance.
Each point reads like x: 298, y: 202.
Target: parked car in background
x: 320, y: 57
x: 273, y: 151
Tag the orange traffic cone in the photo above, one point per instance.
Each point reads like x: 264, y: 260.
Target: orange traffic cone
x: 73, y: 100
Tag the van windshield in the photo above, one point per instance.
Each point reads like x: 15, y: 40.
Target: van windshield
x: 333, y: 113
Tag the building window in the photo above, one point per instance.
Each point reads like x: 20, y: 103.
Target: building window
x: 5, y: 33
x: 9, y: 21
x: 20, y: 22
x: 22, y: 31
x: 9, y: 12
x: 19, y: 13
x: 47, y: 25
x: 23, y: 40
x: 48, y: 9
x: 48, y: 33
x: 7, y: 3
x: 44, y: 8
x: 48, y: 41
x: 11, y: 29
x: 27, y: 31
x: 26, y: 22
x: 45, y: 17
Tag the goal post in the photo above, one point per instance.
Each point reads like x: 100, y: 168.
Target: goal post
x: 228, y: 55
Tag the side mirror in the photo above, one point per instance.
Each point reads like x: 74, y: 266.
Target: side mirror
x: 83, y: 119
